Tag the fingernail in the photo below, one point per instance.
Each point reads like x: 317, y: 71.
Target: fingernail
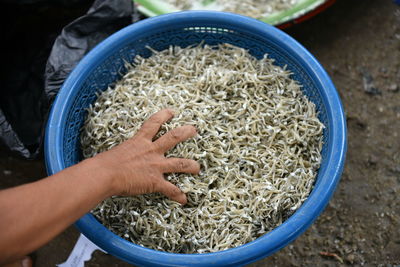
x: 183, y: 199
x: 199, y: 167
x: 26, y: 262
x: 171, y: 110
x: 195, y: 128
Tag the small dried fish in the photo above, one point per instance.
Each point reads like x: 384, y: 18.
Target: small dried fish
x: 258, y: 146
x: 251, y: 8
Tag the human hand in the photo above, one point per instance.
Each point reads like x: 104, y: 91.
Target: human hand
x: 137, y: 166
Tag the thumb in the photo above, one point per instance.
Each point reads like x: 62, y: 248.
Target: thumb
x: 172, y: 192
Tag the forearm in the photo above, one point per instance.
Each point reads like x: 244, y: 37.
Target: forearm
x: 33, y: 214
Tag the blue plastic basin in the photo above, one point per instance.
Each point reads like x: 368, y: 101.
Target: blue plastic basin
x: 105, y: 64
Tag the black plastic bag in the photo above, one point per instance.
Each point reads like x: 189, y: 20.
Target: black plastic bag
x: 31, y: 85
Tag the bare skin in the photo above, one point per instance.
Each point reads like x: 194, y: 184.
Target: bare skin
x: 33, y: 214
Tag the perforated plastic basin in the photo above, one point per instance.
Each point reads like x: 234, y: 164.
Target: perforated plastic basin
x: 105, y: 64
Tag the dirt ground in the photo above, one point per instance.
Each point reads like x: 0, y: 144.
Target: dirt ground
x: 358, y: 42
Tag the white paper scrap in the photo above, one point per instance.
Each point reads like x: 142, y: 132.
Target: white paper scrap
x: 82, y: 252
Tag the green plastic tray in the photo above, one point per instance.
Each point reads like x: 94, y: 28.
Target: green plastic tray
x: 153, y: 8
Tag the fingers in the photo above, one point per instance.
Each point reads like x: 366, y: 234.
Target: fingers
x: 181, y: 165
x: 172, y: 192
x: 151, y: 126
x: 175, y: 136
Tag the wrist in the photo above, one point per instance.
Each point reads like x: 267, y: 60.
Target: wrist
x: 102, y: 175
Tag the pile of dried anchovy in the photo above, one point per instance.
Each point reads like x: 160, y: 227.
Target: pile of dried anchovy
x: 258, y: 146
x: 251, y: 8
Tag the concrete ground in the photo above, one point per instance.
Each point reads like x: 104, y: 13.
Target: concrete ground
x: 358, y: 42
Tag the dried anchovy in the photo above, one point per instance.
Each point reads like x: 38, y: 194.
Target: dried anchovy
x: 251, y: 8
x: 258, y: 146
